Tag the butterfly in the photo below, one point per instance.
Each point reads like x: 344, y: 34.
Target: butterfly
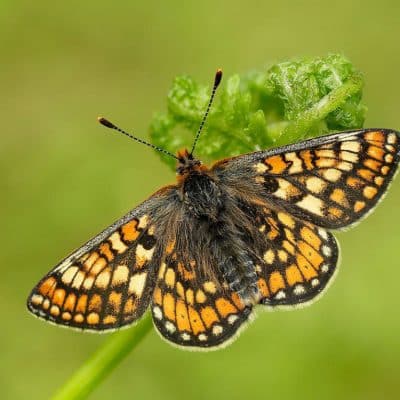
x: 252, y: 230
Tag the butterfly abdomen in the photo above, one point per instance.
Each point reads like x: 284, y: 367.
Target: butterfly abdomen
x: 239, y: 273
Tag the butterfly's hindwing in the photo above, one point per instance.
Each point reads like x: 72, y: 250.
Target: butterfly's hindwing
x: 296, y: 260
x: 108, y: 282
x: 331, y: 181
x: 193, y: 311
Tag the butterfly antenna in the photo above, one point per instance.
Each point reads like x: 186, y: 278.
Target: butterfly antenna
x: 217, y: 80
x: 110, y: 125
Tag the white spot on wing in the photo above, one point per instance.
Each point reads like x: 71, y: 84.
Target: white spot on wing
x: 325, y: 268
x: 269, y: 256
x: 260, y: 168
x: 315, y: 282
x: 170, y: 327
x: 185, y: 336
x: 345, y: 166
x: 298, y: 290
x: 217, y: 330
x: 347, y: 156
x: 350, y: 146
x: 311, y: 204
x: 136, y: 283
x: 391, y: 139
x: 116, y: 243
x: 120, y: 275
x: 296, y: 166
x: 142, y: 253
x: 388, y: 158
x: 157, y: 312
x: 143, y: 221
x: 103, y: 279
x: 36, y: 299
x: 323, y: 233
x: 284, y: 189
x: 210, y: 287
x: 88, y: 282
x: 326, y: 251
x: 69, y: 275
x: 315, y: 184
x: 77, y: 282
x: 202, y: 337
x: 331, y: 174
x: 232, y: 319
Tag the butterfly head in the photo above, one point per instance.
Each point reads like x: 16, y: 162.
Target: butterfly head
x: 187, y: 163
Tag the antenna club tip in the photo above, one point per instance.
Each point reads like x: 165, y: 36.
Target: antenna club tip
x: 106, y: 122
x: 218, y: 77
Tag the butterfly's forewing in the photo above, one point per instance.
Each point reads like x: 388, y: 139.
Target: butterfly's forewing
x: 108, y: 282
x: 295, y: 261
x: 191, y: 310
x: 331, y: 181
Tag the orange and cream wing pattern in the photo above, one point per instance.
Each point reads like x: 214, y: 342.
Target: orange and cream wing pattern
x: 108, y: 282
x: 331, y: 181
x: 297, y: 260
x: 193, y: 311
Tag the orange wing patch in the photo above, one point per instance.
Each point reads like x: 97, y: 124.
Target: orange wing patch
x: 189, y: 311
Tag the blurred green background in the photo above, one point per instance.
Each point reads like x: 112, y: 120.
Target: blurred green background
x: 64, y: 178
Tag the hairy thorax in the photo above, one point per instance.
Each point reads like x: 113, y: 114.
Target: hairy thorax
x: 202, y: 197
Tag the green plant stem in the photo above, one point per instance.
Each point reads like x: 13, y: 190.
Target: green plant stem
x: 301, y: 126
x: 103, y: 361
